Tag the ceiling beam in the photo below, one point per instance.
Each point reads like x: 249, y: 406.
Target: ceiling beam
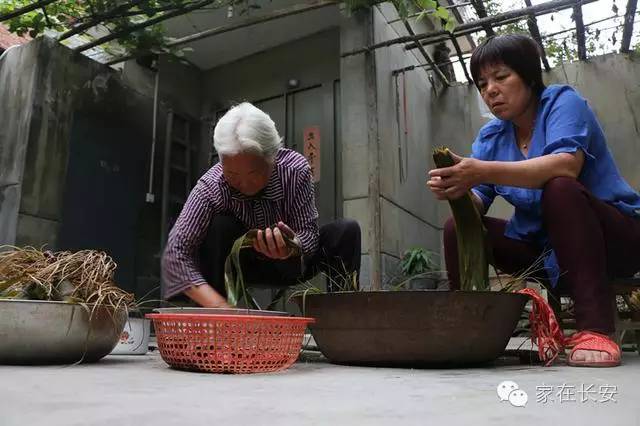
x: 627, y: 32
x: 478, y: 5
x: 577, y: 17
x: 532, y: 23
x: 456, y: 46
x: 477, y: 25
x: 443, y: 79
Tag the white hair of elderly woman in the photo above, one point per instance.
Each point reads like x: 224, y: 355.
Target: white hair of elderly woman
x: 246, y: 129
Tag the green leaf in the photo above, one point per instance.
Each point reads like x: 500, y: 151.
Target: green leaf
x: 427, y: 4
x: 451, y: 25
x: 442, y: 13
x: 403, y: 9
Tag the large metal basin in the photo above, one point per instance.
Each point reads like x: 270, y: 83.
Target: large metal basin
x: 42, y: 332
x: 413, y: 328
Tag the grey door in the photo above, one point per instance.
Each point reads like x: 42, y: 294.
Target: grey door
x: 313, y: 110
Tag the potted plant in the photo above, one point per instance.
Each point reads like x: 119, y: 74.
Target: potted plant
x: 419, y: 269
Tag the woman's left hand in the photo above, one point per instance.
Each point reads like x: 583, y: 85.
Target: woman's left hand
x: 453, y: 182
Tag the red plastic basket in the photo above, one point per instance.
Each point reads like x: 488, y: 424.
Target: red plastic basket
x: 229, y: 343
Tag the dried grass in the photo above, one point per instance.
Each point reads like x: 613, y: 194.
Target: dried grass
x: 83, y: 277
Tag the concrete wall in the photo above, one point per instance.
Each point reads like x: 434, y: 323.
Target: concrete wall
x: 384, y: 171
x: 359, y: 130
x: 16, y: 89
x: 311, y: 60
x: 180, y: 85
x: 76, y: 140
x: 408, y: 212
x: 42, y: 120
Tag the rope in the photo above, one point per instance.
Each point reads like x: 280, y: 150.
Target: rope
x: 545, y: 329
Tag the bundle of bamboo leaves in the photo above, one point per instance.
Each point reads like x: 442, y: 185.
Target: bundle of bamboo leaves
x: 473, y: 253
x: 233, y: 276
x: 84, y: 277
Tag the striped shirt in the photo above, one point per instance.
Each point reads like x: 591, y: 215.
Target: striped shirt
x: 288, y: 197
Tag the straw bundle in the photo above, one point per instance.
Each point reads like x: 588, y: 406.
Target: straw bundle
x: 84, y: 277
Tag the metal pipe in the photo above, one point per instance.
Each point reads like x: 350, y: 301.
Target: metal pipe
x: 629, y: 18
x: 539, y: 9
x: 166, y: 189
x: 468, y: 32
x: 532, y: 24
x: 577, y: 16
x: 456, y: 46
x: 399, y: 130
x: 427, y: 57
x: 482, y: 13
x: 154, y: 132
x: 414, y: 15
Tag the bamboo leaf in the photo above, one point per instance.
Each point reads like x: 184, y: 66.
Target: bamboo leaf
x: 470, y: 234
x: 233, y: 276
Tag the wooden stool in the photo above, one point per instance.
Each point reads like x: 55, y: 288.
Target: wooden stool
x: 624, y: 321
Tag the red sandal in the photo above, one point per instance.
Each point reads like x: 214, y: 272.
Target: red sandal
x: 548, y: 336
x: 592, y: 341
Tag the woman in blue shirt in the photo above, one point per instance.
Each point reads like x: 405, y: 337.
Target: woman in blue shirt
x: 546, y: 154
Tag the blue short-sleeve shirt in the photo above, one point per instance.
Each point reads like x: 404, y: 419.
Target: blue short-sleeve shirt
x: 564, y: 123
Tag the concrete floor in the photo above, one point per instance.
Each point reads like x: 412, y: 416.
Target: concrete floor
x: 142, y: 390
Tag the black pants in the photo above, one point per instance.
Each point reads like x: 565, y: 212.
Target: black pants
x: 338, y: 255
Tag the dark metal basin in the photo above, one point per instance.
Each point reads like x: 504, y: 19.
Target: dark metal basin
x: 43, y: 332
x: 413, y: 328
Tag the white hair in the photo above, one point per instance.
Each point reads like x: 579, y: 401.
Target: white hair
x: 246, y: 129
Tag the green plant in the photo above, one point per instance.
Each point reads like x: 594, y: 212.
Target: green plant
x: 417, y: 261
x: 80, y: 17
x: 233, y: 276
x: 405, y: 8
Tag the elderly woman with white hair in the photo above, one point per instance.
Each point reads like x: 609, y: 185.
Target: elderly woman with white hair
x: 256, y: 185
